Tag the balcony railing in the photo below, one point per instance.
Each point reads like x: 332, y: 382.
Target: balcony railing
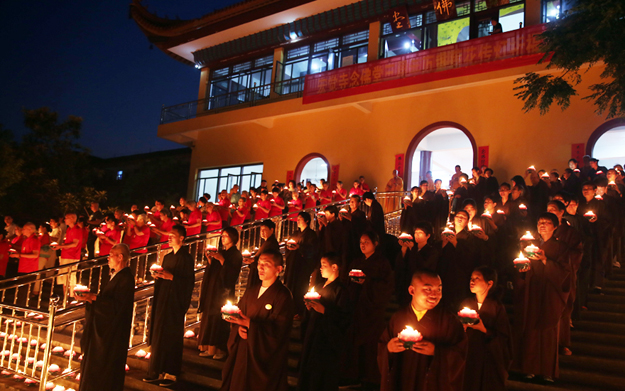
x: 286, y: 89
x: 40, y: 337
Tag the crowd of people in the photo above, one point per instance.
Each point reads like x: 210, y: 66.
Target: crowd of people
x: 543, y: 241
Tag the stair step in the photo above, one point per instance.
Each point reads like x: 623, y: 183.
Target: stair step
x: 602, y: 316
x: 605, y: 298
x: 599, y: 327
x: 611, y: 291
x: 607, y: 306
x: 517, y: 385
x: 604, y: 338
x: 599, y: 381
x: 598, y: 364
x: 596, y: 350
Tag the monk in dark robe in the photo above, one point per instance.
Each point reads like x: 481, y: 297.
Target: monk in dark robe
x: 437, y: 361
x: 172, y: 297
x: 218, y: 285
x: 489, y: 352
x: 259, y: 341
x: 375, y: 216
x: 333, y: 238
x: 301, y: 259
x: 541, y: 295
x: 459, y: 257
x: 370, y: 297
x: 357, y: 220
x: 267, y: 233
x: 108, y: 319
x: 415, y: 255
x: 573, y: 239
x: 409, y: 215
x: 324, y: 341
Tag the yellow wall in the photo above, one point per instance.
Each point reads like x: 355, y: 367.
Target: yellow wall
x: 365, y: 143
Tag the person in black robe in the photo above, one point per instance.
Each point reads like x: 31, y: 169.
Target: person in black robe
x: 489, y: 352
x: 108, y: 318
x: 541, y: 294
x: 415, y: 255
x: 301, y: 259
x: 370, y: 297
x: 324, y: 340
x: 172, y: 296
x: 259, y: 341
x: 333, y: 237
x: 375, y: 214
x: 355, y: 222
x: 437, y: 361
x: 218, y: 285
x: 267, y: 234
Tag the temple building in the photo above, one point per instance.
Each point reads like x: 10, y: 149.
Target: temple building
x: 311, y: 89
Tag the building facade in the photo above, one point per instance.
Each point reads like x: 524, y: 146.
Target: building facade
x: 300, y: 89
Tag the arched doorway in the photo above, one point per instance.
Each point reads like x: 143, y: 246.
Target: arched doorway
x: 439, y: 148
x: 606, y: 143
x: 313, y: 168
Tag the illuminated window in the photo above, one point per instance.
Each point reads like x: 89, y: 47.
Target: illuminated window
x: 120, y: 174
x: 214, y: 180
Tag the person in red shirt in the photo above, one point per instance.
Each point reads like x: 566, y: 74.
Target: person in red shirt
x: 224, y: 206
x: 194, y: 224
x: 164, y: 228
x: 137, y: 233
x: 263, y: 206
x: 240, y: 214
x: 29, y: 252
x: 295, y: 205
x: 110, y: 237
x: 277, y: 203
x: 5, y: 246
x: 363, y: 185
x: 339, y: 194
x: 311, y: 197
x: 356, y: 189
x: 325, y: 196
x: 213, y: 218
x: 70, y: 251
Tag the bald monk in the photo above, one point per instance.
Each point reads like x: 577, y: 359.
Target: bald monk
x: 258, y: 346
x: 436, y: 362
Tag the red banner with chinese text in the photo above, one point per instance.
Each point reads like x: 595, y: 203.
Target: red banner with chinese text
x: 499, y: 51
x: 577, y: 153
x: 482, y: 156
x: 399, y: 165
x: 289, y: 176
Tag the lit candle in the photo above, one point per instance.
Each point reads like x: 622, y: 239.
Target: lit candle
x: 476, y: 228
x: 356, y: 275
x: 230, y: 311
x: 409, y: 337
x: 246, y: 254
x: 531, y: 250
x: 527, y: 236
x: 58, y: 350
x: 18, y: 377
x: 80, y: 290
x: 521, y: 263
x: 172, y: 207
x: 15, y: 356
x: 598, y: 197
x: 611, y: 183
x: 406, y: 198
x: 468, y: 316
x: 29, y: 382
x: 545, y: 175
x: 576, y: 170
x: 141, y: 353
x: 590, y: 215
x: 532, y: 168
x: 5, y: 373
x: 54, y: 368
x: 487, y: 215
x: 211, y: 248
x: 291, y: 243
x: 343, y: 211
x: 49, y: 386
x: 33, y: 342
x: 255, y: 206
x: 448, y: 233
x: 522, y: 207
x: 501, y: 212
x: 333, y: 191
x: 189, y: 334
x: 463, y: 180
x: 405, y: 238
x: 599, y: 172
x: 146, y: 207
x: 69, y: 353
x: 30, y: 360
x: 311, y: 296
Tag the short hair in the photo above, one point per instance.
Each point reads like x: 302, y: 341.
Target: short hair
x: 573, y: 160
x: 29, y: 224
x: 124, y: 251
x: 566, y: 196
x: 424, y: 226
x: 341, y: 182
x: 166, y: 212
x: 489, y: 170
x: 464, y: 212
x: 438, y: 180
x: 494, y: 18
x: 589, y: 183
x: 264, y: 191
x: 549, y: 216
x: 488, y: 273
x: 420, y: 273
x: 594, y: 159
x: 268, y: 223
x: 233, y: 234
x: 203, y: 200
x: 423, y: 182
x: 506, y: 185
x: 332, y: 258
x: 368, y: 196
x: 332, y: 209
x: 275, y: 190
x: 601, y: 181
x: 305, y: 216
x: 182, y: 231
x: 356, y: 197
x: 276, y: 257
x: 557, y: 204
x: 372, y: 235
x: 469, y: 201
x: 160, y: 201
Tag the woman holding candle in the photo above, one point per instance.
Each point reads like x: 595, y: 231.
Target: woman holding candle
x: 489, y: 352
x: 111, y: 237
x: 371, y: 297
x: 324, y: 339
x: 340, y: 193
x: 277, y: 203
x: 295, y: 205
x: 240, y: 214
x: 263, y: 206
x: 301, y: 258
x: 218, y: 286
x: 213, y: 218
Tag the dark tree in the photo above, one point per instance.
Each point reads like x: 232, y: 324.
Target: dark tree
x: 591, y: 34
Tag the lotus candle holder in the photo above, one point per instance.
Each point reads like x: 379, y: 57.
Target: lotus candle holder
x: 468, y: 316
x: 409, y: 337
x: 356, y: 275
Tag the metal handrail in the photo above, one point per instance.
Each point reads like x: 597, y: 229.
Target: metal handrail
x: 26, y: 330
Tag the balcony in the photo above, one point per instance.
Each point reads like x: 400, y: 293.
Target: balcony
x: 496, y: 52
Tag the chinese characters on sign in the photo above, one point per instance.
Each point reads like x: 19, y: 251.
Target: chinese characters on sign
x: 445, y: 9
x: 399, y: 164
x: 289, y: 176
x: 482, y: 156
x: 423, y: 65
x: 577, y: 153
x: 399, y: 19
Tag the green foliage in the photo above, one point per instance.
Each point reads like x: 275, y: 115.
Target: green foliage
x: 10, y: 162
x: 592, y: 33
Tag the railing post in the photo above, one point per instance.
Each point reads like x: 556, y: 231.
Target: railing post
x: 46, y: 353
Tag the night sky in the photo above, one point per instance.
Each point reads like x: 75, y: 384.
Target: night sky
x: 87, y: 58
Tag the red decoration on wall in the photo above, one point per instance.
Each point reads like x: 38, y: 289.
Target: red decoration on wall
x: 577, y: 153
x: 482, y: 156
x: 289, y: 176
x: 399, y: 164
x: 334, y: 176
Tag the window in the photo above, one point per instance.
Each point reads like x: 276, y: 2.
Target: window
x: 326, y: 55
x: 213, y: 180
x: 554, y: 10
x: 240, y: 83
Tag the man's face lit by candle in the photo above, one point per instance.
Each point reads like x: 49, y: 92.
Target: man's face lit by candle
x: 426, y: 292
x: 267, y: 270
x: 265, y: 232
x: 545, y: 227
x: 115, y: 259
x: 175, y: 239
x: 460, y: 221
x: 420, y: 236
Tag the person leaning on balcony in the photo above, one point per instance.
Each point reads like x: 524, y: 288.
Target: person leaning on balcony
x: 258, y: 346
x: 108, y: 318
x: 172, y: 297
x: 497, y: 29
x: 70, y: 250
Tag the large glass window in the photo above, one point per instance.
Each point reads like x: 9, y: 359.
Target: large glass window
x: 326, y: 55
x: 214, y: 180
x: 240, y: 83
x: 554, y: 10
